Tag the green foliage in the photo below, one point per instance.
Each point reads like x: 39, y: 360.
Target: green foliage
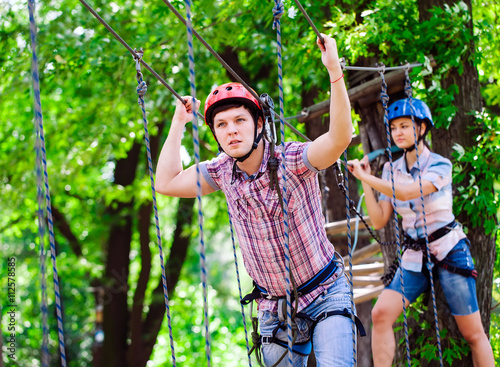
x: 476, y: 167
x: 424, y: 346
x: 91, y: 120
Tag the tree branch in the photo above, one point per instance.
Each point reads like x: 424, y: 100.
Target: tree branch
x: 63, y: 226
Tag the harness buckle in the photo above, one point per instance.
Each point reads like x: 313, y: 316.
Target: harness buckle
x: 266, y: 340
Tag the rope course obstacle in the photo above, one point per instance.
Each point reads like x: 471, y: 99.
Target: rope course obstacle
x: 42, y: 161
x: 353, y: 258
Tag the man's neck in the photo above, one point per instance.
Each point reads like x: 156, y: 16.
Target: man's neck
x: 252, y: 163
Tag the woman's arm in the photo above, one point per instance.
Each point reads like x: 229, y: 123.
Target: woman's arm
x: 380, y: 211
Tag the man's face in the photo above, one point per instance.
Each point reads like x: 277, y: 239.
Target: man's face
x: 234, y: 130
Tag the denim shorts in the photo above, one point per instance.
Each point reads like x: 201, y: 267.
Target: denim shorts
x: 332, y: 337
x: 460, y: 291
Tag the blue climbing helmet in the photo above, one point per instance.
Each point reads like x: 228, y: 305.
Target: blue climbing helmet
x: 417, y: 108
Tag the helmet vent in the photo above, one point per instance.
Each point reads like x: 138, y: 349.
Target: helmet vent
x: 396, y: 108
x: 216, y: 91
x: 229, y: 88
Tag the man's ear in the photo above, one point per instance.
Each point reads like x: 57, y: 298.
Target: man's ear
x: 260, y: 123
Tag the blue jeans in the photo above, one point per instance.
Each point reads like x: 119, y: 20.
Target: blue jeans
x: 460, y: 291
x: 332, y: 337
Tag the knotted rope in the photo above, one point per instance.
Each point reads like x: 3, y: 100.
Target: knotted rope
x: 41, y: 155
x: 429, y: 263
x: 141, y: 92
x: 196, y: 141
x: 385, y: 103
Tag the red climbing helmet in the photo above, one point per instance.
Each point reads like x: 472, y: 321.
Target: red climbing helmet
x: 229, y: 92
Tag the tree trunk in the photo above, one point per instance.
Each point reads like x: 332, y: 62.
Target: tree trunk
x: 466, y: 102
x: 116, y: 314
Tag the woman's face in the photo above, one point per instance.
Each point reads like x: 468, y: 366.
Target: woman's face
x: 402, y: 132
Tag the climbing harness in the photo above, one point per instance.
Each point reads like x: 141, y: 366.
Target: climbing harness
x: 303, y: 346
x: 322, y: 278
x: 419, y: 245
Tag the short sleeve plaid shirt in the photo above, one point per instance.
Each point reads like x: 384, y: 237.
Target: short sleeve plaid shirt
x: 258, y: 220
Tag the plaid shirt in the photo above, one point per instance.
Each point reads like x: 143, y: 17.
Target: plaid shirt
x: 258, y: 220
x: 437, y: 205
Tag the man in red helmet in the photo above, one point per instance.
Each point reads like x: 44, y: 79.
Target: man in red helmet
x: 242, y: 173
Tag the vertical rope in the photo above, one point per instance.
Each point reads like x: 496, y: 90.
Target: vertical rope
x: 385, y: 100
x: 40, y: 145
x: 239, y: 287
x: 43, y: 256
x: 141, y: 91
x: 198, y: 178
x: 349, y: 245
x: 278, y: 11
x: 409, y: 94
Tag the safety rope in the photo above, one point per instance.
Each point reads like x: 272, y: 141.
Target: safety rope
x: 429, y: 263
x: 141, y: 91
x: 385, y: 101
x: 339, y: 178
x: 196, y: 141
x: 40, y: 148
x: 278, y: 11
x: 239, y: 287
x: 349, y: 246
x: 45, y: 359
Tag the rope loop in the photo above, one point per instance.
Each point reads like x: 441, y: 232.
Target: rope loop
x: 343, y: 63
x: 273, y: 163
x: 383, y: 93
x: 278, y: 11
x: 408, y: 88
x: 138, y: 57
x: 142, y: 88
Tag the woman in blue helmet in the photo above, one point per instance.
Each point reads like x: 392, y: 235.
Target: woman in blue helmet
x: 447, y: 242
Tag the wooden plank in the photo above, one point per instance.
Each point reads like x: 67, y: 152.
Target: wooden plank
x: 367, y: 294
x: 366, y: 280
x: 366, y: 269
x: 364, y: 253
x: 334, y: 228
